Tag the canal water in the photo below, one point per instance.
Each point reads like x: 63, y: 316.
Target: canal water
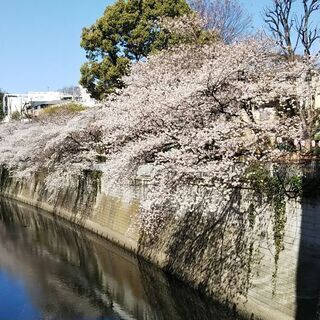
x: 51, y: 269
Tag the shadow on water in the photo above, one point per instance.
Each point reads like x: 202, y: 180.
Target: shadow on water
x: 67, y: 273
x: 308, y: 269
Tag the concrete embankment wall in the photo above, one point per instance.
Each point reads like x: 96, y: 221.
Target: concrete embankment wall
x: 229, y: 257
x: 105, y: 214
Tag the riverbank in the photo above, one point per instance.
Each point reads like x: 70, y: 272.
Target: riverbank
x: 212, y: 256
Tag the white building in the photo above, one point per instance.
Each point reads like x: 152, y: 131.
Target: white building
x: 23, y: 103
x: 31, y: 101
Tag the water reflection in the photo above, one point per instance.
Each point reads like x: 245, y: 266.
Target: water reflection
x: 51, y: 270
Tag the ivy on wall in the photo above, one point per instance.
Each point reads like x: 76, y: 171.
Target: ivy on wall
x: 274, y: 185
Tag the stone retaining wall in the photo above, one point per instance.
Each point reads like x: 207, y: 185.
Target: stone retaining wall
x: 212, y: 257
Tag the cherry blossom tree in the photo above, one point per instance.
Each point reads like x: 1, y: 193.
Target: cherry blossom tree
x: 190, y: 113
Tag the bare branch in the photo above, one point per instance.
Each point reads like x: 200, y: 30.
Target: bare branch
x: 280, y: 23
x: 289, y: 30
x: 227, y: 17
x: 308, y: 34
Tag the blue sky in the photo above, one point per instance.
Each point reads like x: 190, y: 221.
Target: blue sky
x: 39, y: 40
x: 255, y: 8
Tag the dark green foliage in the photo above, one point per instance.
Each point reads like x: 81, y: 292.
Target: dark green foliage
x: 274, y: 187
x: 2, y: 115
x: 282, y: 181
x: 128, y: 31
x: 286, y: 146
x: 16, y: 116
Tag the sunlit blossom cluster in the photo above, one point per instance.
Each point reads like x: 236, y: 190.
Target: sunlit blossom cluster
x: 188, y: 112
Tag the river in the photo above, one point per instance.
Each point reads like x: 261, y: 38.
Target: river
x: 51, y: 269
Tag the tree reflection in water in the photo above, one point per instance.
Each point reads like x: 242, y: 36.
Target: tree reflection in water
x: 68, y: 273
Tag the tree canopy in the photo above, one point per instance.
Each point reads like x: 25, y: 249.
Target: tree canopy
x: 128, y: 31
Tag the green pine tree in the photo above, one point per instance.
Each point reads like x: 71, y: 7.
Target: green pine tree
x: 128, y: 31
